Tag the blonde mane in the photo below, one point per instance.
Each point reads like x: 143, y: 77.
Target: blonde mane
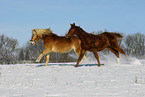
x: 41, y: 32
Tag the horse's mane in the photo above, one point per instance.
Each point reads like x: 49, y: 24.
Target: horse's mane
x: 78, y: 27
x: 42, y: 32
x: 81, y: 30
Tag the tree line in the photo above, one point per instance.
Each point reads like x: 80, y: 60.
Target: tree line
x: 10, y: 53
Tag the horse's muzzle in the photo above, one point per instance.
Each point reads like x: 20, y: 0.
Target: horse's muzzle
x: 32, y: 42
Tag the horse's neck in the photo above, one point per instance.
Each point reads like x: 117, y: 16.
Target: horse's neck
x: 82, y: 35
x: 47, y: 36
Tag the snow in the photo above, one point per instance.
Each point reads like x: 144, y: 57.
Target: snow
x: 111, y: 80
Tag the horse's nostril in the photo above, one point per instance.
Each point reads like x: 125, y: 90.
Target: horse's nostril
x: 32, y: 42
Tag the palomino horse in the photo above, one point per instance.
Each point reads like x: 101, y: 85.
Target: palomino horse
x: 55, y: 43
x: 94, y: 43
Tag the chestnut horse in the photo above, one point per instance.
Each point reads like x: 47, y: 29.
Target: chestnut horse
x: 54, y: 43
x: 94, y: 43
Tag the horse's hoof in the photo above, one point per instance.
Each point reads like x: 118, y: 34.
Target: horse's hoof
x: 37, y: 61
x: 76, y: 66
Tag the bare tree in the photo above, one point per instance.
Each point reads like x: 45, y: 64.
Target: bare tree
x: 135, y: 45
x: 7, y: 49
x: 33, y: 51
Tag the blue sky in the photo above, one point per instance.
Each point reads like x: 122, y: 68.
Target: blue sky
x: 19, y: 17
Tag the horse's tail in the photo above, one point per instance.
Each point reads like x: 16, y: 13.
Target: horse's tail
x: 119, y: 36
x: 113, y: 35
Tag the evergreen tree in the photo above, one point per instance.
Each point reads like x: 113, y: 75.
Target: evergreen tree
x: 27, y: 55
x: 21, y: 55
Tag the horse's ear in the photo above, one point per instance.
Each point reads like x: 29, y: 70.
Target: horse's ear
x: 72, y: 24
x: 34, y: 31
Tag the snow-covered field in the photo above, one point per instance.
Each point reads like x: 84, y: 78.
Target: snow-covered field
x: 110, y: 80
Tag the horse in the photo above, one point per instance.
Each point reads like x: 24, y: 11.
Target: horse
x: 94, y: 43
x: 54, y: 43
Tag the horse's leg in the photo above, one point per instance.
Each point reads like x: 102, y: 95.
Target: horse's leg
x: 97, y: 57
x: 77, y: 51
x: 47, y: 59
x: 115, y: 52
x: 77, y: 46
x: 41, y: 55
x: 121, y: 51
x: 116, y: 46
x: 80, y: 57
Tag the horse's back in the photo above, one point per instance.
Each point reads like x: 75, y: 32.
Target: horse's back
x: 61, y: 40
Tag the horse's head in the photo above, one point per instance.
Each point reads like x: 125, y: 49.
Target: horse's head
x: 34, y: 37
x: 72, y: 31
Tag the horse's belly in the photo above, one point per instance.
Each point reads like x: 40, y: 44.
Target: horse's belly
x: 61, y: 49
